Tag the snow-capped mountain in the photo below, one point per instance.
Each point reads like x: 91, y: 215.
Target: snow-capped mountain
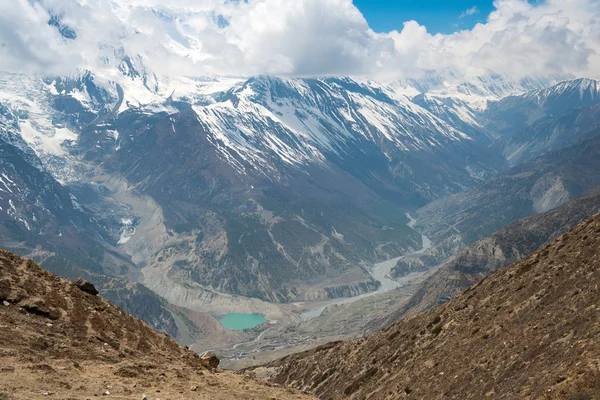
x: 475, y: 91
x: 316, y: 158
x: 457, y: 113
x: 519, y: 111
x: 267, y: 121
x: 258, y: 186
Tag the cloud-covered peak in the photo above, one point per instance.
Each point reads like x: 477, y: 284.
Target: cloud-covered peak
x: 292, y: 37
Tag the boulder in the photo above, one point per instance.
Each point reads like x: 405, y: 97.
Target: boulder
x: 86, y: 286
x: 211, y: 358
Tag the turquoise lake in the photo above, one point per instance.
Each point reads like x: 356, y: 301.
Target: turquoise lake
x: 238, y: 322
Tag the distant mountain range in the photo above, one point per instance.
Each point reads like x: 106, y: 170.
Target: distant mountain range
x: 272, y: 188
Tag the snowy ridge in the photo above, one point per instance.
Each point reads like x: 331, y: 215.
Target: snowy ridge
x: 475, y: 91
x: 260, y: 121
x: 578, y: 89
x: 309, y: 120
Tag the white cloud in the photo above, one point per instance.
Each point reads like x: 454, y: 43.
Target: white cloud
x: 295, y: 37
x: 469, y: 11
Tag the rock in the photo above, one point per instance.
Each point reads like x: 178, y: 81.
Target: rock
x: 86, y: 286
x: 6, y: 303
x: 211, y: 358
x: 194, y: 388
x: 144, y: 397
x: 39, y: 307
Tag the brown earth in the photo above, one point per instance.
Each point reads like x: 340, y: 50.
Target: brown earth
x: 59, y: 342
x: 529, y: 331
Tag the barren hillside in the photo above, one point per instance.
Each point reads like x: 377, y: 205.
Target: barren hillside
x: 63, y: 343
x: 529, y: 331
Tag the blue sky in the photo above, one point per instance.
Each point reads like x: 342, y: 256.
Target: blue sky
x: 437, y: 15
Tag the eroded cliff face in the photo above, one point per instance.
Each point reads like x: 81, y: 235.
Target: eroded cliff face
x: 338, y: 291
x: 527, y: 331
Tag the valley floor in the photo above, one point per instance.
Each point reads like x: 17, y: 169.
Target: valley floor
x: 325, y: 321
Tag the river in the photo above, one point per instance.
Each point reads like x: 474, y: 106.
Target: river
x: 381, y: 273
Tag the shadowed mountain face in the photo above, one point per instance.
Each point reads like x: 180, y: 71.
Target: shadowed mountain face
x: 517, y: 112
x: 533, y: 325
x: 549, y: 134
x: 536, y: 186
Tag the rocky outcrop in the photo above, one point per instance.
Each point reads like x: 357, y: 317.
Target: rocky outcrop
x: 429, y: 258
x: 211, y: 359
x: 86, y: 286
x: 337, y: 291
x: 334, y: 292
x: 527, y: 331
x: 409, y: 266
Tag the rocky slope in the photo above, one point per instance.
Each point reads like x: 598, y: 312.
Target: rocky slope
x: 59, y: 341
x: 533, y: 187
x: 504, y: 247
x: 534, y: 326
x: 430, y: 258
x: 551, y: 133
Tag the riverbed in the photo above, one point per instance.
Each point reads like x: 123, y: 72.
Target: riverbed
x: 380, y: 272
